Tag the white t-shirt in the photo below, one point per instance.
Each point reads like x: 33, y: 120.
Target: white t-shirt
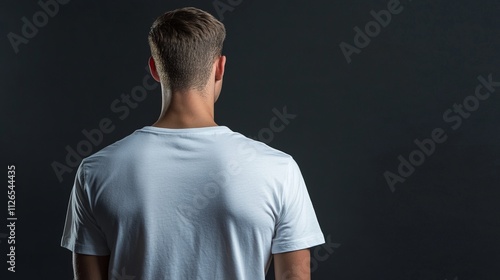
x: 191, y: 203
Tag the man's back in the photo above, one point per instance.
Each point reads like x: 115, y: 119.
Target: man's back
x: 193, y: 203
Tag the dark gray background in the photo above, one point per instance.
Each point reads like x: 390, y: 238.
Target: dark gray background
x: 353, y: 120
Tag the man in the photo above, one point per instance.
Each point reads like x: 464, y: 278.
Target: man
x: 186, y: 198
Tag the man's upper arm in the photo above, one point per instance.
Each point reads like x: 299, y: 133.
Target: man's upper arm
x: 293, y: 265
x: 88, y: 267
x: 297, y: 226
x: 83, y: 236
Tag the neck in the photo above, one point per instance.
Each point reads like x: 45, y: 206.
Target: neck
x: 186, y: 109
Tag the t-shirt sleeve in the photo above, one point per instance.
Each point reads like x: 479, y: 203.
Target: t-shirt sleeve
x: 81, y: 233
x: 297, y: 226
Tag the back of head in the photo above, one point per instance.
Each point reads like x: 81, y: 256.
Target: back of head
x: 184, y: 44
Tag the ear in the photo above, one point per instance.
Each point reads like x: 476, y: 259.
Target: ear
x: 220, y: 65
x: 152, y: 69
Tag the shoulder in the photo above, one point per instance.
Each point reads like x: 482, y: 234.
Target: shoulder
x: 251, y: 146
x: 110, y: 154
x: 256, y: 156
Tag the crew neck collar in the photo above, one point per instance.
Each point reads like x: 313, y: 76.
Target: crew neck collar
x: 191, y: 130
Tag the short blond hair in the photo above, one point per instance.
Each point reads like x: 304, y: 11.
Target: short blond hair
x: 184, y: 44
